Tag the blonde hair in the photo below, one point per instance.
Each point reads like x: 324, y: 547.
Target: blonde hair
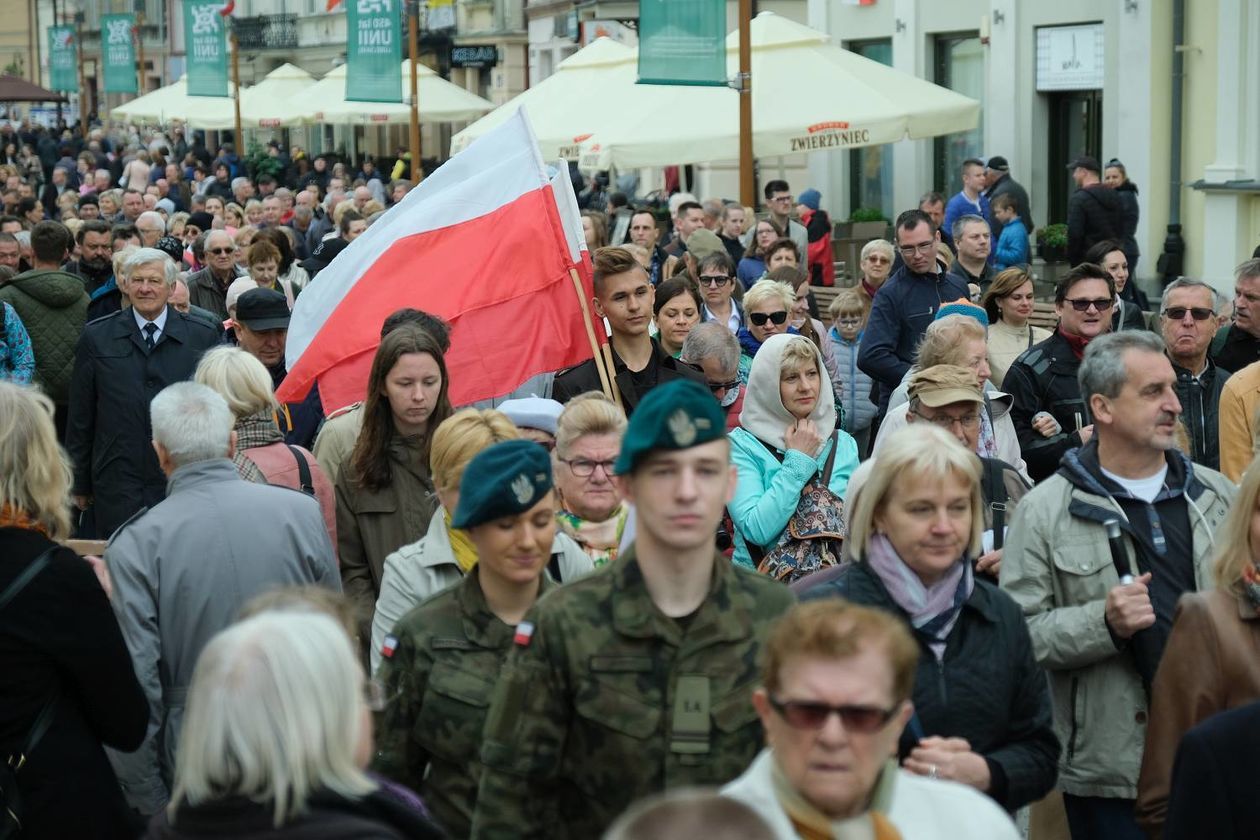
x: 944, y: 341
x: 767, y: 290
x: 274, y: 715
x: 1233, y: 543
x: 34, y: 470
x: 924, y: 452
x: 460, y: 437
x: 239, y: 378
x: 847, y: 302
x: 798, y: 353
x: 591, y: 413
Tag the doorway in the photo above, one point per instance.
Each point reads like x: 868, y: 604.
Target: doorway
x: 1075, y: 129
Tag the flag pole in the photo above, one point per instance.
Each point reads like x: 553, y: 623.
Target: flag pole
x: 604, y: 380
x: 747, y: 185
x: 236, y: 92
x: 413, y: 52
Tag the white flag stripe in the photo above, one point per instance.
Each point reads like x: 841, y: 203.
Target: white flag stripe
x: 499, y: 168
x: 570, y: 216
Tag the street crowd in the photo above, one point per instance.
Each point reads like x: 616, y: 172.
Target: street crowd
x: 903, y: 565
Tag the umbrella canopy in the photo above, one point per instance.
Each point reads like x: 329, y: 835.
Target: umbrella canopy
x: 17, y: 89
x: 808, y: 95
x: 173, y: 103
x: 325, y: 102
x: 264, y: 104
x: 567, y: 106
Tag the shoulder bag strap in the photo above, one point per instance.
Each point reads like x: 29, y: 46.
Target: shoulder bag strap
x: 553, y: 566
x: 28, y: 574
x: 44, y: 720
x: 304, y: 471
x: 997, y: 498
x: 831, y: 459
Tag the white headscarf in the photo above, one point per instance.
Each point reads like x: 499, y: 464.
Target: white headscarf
x: 764, y: 415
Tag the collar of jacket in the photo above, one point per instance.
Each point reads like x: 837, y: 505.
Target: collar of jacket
x: 1188, y: 376
x: 124, y: 327
x: 481, y: 626
x: 861, y: 585
x: 719, y: 618
x: 200, y: 473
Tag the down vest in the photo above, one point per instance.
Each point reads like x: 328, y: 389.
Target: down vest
x: 53, y: 307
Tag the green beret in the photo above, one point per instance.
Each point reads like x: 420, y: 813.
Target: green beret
x: 503, y: 480
x: 677, y: 415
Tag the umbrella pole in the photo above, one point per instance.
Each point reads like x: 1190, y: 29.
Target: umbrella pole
x: 413, y: 51
x: 236, y: 92
x: 747, y: 188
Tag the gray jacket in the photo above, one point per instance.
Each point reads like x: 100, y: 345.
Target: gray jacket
x: 417, y: 572
x: 181, y: 573
x: 1057, y: 566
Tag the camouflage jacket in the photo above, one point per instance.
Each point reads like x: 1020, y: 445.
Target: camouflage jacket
x: 610, y: 700
x: 446, y: 657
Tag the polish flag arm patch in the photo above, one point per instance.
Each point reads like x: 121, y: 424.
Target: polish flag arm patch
x: 524, y: 633
x: 389, y: 646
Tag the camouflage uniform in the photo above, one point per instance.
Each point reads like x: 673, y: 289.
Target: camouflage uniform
x: 610, y: 701
x: 448, y: 653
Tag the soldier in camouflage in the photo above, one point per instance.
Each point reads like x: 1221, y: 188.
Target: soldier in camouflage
x: 637, y: 678
x: 440, y: 664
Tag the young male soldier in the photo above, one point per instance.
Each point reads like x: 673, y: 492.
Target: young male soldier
x: 635, y: 680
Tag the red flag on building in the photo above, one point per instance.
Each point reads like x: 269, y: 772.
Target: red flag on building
x: 486, y: 242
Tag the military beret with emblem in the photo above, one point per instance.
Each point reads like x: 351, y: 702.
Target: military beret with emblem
x: 502, y: 480
x: 677, y: 415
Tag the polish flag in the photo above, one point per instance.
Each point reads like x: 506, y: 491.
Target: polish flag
x: 487, y: 242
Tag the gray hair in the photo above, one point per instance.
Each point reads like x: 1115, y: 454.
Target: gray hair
x: 146, y: 256
x: 877, y: 245
x: 192, y: 423
x: 1103, y: 370
x: 152, y: 216
x: 711, y: 340
x: 239, y: 182
x: 962, y: 221
x: 1247, y: 269
x: 274, y: 714
x: 1188, y: 283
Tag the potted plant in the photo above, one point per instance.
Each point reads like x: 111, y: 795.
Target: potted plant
x: 1052, y: 243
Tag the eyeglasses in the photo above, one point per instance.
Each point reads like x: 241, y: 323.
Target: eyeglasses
x: 1177, y: 313
x: 723, y: 386
x: 220, y: 250
x: 946, y: 422
x: 1083, y: 304
x: 781, y: 198
x: 802, y: 714
x: 374, y: 695
x: 878, y: 260
x: 718, y: 280
x: 856, y: 319
x: 760, y: 318
x: 921, y: 248
x: 585, y: 469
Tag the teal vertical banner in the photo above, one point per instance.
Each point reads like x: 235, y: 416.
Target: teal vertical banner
x: 374, y: 51
x: 682, y: 42
x: 118, y: 52
x: 205, y: 47
x: 63, y: 59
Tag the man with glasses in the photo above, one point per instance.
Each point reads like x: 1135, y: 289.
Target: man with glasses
x: 636, y: 679
x: 779, y: 202
x: 1100, y: 606
x: 208, y: 287
x: 716, y: 273
x: 835, y: 698
x: 623, y: 296
x: 1049, y: 415
x: 905, y: 305
x: 1188, y: 321
x: 715, y: 350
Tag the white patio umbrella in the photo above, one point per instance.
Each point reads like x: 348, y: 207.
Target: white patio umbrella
x: 172, y: 102
x: 569, y: 104
x: 264, y: 104
x: 325, y: 102
x: 808, y: 95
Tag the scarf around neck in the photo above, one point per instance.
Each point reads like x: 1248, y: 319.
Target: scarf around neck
x: 812, y: 824
x: 1076, y: 342
x: 461, y: 545
x: 12, y: 517
x: 934, y: 609
x: 599, y: 540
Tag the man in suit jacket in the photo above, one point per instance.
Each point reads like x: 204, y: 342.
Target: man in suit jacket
x: 1215, y: 779
x: 121, y: 362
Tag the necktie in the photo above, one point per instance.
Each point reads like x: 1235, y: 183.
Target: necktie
x: 150, y: 329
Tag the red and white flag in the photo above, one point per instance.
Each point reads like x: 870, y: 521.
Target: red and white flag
x: 487, y: 242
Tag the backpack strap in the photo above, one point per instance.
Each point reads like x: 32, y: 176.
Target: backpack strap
x: 995, y: 497
x: 306, y: 484
x: 553, y: 567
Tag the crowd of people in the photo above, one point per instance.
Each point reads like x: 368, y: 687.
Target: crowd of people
x: 903, y: 566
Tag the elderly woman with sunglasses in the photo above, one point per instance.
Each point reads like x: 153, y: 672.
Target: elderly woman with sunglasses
x: 767, y: 309
x: 981, y: 703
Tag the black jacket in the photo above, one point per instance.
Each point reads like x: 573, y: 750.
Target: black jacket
x: 1006, y: 185
x: 584, y: 377
x: 59, y: 635
x: 1215, y: 779
x: 1095, y: 213
x: 109, y: 433
x: 1043, y: 378
x: 1234, y: 349
x: 1128, y: 195
x: 988, y: 689
x: 1200, y: 398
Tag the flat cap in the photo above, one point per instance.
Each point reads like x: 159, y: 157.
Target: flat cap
x: 502, y: 480
x: 677, y: 415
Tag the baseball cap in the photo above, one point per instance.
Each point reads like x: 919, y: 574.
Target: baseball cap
x: 945, y: 385
x: 325, y: 252
x: 998, y: 162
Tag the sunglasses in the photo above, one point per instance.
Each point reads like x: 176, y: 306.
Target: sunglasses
x: 760, y: 318
x: 1177, y: 313
x: 220, y: 250
x: 1083, y: 304
x: 801, y: 714
x: 718, y: 280
x: 722, y: 386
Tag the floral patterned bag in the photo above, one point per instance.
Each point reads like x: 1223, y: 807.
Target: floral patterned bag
x: 814, y: 535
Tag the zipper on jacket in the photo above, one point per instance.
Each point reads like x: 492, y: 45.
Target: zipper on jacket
x: 1072, y: 731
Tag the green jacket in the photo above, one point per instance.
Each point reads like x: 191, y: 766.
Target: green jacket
x: 53, y: 308
x: 447, y: 655
x: 608, y: 701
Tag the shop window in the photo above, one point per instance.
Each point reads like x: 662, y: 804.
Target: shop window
x: 959, y: 66
x: 871, y: 168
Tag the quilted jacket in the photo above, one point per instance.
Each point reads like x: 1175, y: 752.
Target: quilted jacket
x: 53, y: 306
